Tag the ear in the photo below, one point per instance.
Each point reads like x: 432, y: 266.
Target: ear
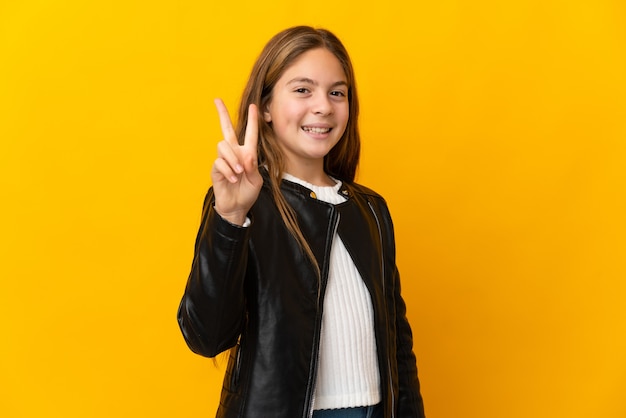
x: 267, y: 116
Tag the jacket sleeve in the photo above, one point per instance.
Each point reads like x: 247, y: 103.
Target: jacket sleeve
x: 410, y: 403
x: 212, y: 308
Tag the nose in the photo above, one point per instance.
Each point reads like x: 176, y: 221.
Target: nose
x: 322, y: 105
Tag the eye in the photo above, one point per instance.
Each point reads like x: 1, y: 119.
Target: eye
x: 302, y: 90
x: 338, y: 93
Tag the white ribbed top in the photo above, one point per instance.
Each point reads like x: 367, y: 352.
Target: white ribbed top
x: 347, y: 373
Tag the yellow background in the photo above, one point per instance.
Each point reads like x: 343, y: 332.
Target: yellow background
x: 496, y: 130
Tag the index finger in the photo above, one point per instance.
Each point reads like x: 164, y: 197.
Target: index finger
x: 227, y: 126
x: 251, y: 138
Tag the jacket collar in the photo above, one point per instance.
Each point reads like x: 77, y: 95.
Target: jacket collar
x: 345, y: 190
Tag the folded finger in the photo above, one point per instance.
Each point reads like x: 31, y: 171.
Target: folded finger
x: 223, y: 169
x: 230, y: 154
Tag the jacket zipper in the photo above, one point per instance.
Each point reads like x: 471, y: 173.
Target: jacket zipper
x: 382, y: 265
x: 234, y: 380
x: 316, y: 347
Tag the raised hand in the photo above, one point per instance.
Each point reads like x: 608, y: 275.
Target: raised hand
x: 235, y: 173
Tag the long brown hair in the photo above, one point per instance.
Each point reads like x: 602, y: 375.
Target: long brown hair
x: 278, y: 55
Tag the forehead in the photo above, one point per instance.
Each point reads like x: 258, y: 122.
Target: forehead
x: 317, y: 64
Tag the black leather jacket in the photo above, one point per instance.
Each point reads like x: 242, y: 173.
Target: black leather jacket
x: 253, y: 289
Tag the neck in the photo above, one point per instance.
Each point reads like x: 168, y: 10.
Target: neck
x: 313, y: 174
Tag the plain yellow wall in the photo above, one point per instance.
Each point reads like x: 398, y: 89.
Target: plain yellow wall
x: 496, y: 130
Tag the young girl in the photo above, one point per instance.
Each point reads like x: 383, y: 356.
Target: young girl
x: 294, y: 269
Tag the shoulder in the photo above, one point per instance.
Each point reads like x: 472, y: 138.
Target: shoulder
x: 374, y: 199
x: 365, y: 191
x: 377, y: 205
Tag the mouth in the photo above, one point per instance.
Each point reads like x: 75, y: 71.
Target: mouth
x: 316, y: 130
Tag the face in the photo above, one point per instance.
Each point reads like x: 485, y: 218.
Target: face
x: 309, y: 110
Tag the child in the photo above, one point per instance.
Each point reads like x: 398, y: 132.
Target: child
x: 294, y: 269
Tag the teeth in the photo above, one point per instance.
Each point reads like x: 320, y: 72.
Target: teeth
x: 316, y: 130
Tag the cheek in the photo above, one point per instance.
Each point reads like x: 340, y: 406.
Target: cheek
x: 346, y: 115
x: 287, y: 114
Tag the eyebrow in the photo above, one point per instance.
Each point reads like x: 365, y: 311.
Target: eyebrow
x: 315, y: 83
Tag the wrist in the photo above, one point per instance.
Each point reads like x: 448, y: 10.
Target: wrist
x: 236, y: 218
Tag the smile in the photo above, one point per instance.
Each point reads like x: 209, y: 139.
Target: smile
x: 316, y: 130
